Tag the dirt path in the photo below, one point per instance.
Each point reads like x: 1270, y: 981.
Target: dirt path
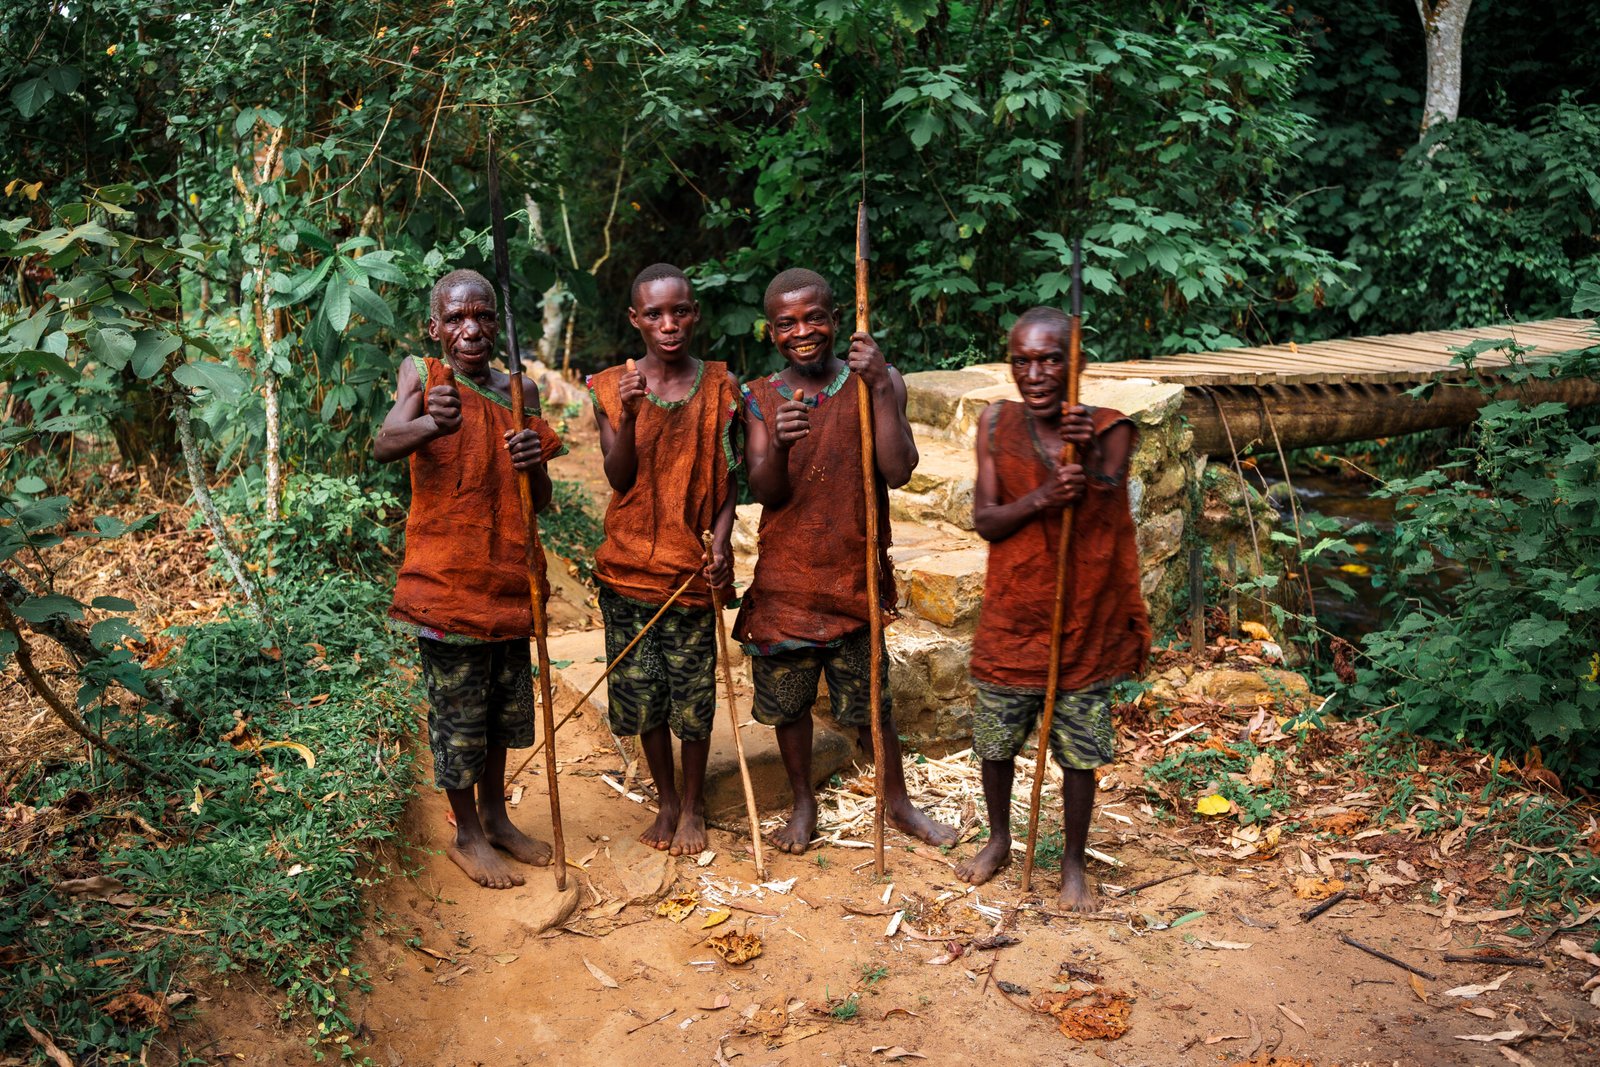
x: 461, y: 978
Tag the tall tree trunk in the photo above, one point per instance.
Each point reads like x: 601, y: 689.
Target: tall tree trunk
x: 552, y: 310
x: 208, y: 507
x: 1444, y: 26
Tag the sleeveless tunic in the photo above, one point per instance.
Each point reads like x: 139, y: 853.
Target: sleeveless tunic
x: 465, y: 572
x: 810, y: 585
x: 685, y: 448
x: 1106, y: 629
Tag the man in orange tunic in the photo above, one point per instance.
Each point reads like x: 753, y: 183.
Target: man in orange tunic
x: 463, y: 588
x: 1017, y: 507
x: 805, y: 613
x: 666, y: 428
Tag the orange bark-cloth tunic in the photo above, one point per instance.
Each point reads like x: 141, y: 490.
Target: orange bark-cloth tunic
x: 810, y: 585
x: 1106, y: 628
x: 465, y: 573
x: 686, y: 457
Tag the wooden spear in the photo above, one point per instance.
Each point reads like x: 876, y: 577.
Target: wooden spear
x: 535, y: 552
x: 1069, y: 455
x: 733, y: 717
x: 869, y: 489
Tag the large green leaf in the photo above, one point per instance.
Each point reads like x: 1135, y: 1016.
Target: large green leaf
x: 31, y: 96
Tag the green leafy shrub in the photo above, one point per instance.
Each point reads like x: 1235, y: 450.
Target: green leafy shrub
x: 1493, y: 578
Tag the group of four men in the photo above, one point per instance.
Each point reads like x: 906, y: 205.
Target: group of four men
x: 674, y: 430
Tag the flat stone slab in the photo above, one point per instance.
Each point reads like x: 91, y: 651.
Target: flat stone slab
x: 940, y: 489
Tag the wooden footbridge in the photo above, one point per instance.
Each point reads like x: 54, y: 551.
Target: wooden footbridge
x: 1328, y: 392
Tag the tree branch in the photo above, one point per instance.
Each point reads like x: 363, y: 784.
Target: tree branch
x: 202, y: 496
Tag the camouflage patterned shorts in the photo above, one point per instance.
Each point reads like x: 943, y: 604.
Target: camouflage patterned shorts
x: 480, y: 696
x: 1081, y: 733
x: 786, y: 682
x: 670, y: 677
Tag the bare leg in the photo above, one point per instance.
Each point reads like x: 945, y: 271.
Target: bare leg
x: 898, y: 811
x: 1078, y: 807
x: 794, y: 744
x: 471, y: 850
x: 996, y: 855
x: 690, y: 838
x: 657, y: 745
x: 497, y: 825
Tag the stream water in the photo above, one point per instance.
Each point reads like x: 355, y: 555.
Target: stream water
x: 1349, y: 502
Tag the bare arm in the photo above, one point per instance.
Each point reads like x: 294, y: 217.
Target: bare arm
x: 995, y: 521
x: 896, y: 448
x: 617, y: 443
x: 415, y: 419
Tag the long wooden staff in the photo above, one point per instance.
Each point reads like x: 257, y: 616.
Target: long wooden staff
x: 535, y: 552
x: 1069, y: 455
x: 869, y: 489
x: 733, y: 717
x: 613, y: 665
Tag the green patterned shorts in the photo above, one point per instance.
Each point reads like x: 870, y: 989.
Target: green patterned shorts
x: 1081, y: 733
x: 670, y: 677
x: 786, y: 682
x: 480, y: 696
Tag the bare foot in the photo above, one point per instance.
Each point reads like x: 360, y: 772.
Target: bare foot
x: 994, y: 858
x: 795, y: 836
x: 908, y: 819
x: 659, y: 836
x: 524, y: 849
x: 1075, y: 892
x: 481, y: 863
x: 690, y: 840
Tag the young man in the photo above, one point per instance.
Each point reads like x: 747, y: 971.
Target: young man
x: 463, y: 588
x: 1018, y: 504
x: 805, y: 613
x: 666, y: 427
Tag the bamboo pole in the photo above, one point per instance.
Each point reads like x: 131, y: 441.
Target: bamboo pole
x: 869, y: 489
x: 535, y: 551
x: 733, y: 717
x: 1069, y: 455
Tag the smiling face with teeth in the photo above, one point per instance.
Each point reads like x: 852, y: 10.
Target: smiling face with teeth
x: 803, y: 327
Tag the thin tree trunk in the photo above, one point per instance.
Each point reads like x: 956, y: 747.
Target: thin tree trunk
x: 1444, y: 25
x: 553, y: 315
x: 202, y: 495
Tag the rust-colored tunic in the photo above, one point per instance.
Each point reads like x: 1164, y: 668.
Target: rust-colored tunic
x: 685, y: 450
x: 1106, y: 629
x: 810, y: 585
x: 465, y: 573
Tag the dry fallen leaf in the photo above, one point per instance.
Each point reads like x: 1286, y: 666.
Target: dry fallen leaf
x: 716, y: 918
x: 1576, y: 951
x: 1262, y: 770
x: 1479, y: 1010
x: 1085, y: 1016
x: 678, y: 908
x: 1503, y: 1035
x: 1237, y: 946
x: 1418, y: 988
x: 1515, y: 1057
x: 897, y: 1052
x: 600, y: 976
x: 506, y: 958
x: 736, y: 948
x: 721, y: 1002
x: 1215, y: 804
x: 1477, y: 990
x: 302, y: 751
x: 1317, y: 888
x: 1292, y: 1017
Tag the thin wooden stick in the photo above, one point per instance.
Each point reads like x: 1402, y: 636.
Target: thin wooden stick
x: 869, y: 489
x: 613, y: 665
x: 1069, y: 455
x: 535, y: 551
x: 1317, y: 909
x: 1385, y: 957
x: 1493, y: 960
x: 733, y: 717
x: 1153, y: 882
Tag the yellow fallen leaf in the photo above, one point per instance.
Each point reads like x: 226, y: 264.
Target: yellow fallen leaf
x: 1214, y: 804
x: 1356, y: 568
x: 678, y: 908
x: 716, y: 918
x: 198, y: 802
x: 304, y: 752
x: 1419, y: 989
x: 1256, y: 630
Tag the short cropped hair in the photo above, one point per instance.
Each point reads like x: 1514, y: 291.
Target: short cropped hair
x: 656, y: 272
x: 1053, y: 318
x: 453, y: 280
x: 794, y: 280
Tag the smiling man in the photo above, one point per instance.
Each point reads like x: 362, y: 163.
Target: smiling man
x: 805, y: 614
x: 463, y: 588
x: 666, y: 427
